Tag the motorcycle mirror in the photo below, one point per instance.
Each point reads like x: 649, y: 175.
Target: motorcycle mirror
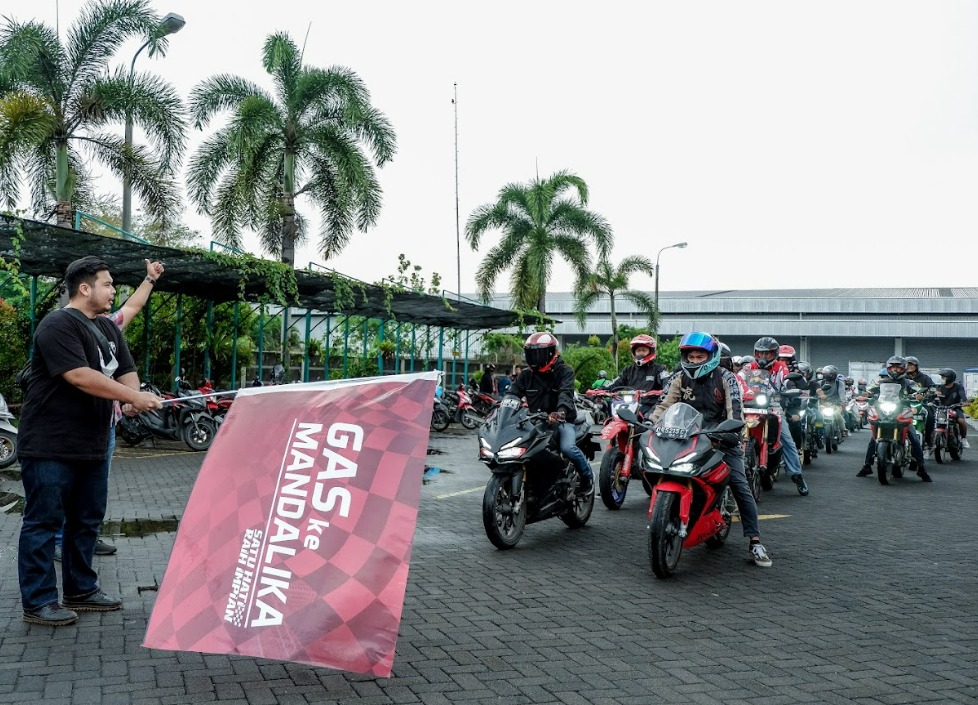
x: 728, y: 426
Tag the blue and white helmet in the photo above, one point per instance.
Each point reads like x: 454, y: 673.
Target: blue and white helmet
x: 699, y: 341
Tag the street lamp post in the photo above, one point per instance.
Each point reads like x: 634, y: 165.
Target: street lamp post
x: 657, y: 319
x: 171, y: 24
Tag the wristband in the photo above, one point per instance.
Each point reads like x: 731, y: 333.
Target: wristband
x: 150, y: 280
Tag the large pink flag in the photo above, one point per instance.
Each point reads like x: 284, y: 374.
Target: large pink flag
x: 296, y: 541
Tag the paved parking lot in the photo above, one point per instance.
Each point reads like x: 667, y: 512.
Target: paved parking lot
x: 873, y: 598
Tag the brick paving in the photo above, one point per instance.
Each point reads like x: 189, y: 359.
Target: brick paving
x: 873, y: 598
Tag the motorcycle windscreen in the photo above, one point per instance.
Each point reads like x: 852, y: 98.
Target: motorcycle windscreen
x: 890, y: 392
x: 501, y: 427
x: 759, y: 382
x: 679, y: 421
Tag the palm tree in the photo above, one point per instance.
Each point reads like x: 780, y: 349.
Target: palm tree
x: 61, y: 99
x: 308, y: 139
x: 608, y: 280
x: 539, y: 221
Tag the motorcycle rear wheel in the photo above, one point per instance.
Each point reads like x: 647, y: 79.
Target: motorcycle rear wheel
x: 8, y: 449
x: 504, y: 530
x: 580, y: 511
x: 665, y: 543
x: 439, y: 420
x: 610, y: 481
x: 199, y: 435
x: 728, y: 505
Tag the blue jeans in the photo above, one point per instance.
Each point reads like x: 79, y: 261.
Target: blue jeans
x: 734, y: 458
x: 790, y: 451
x: 59, y: 492
x: 569, y: 448
x: 59, y: 537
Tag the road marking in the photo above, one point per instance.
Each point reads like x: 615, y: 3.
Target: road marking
x: 456, y: 494
x: 762, y: 517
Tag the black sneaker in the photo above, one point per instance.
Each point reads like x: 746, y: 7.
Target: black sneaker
x: 799, y: 480
x: 864, y: 471
x: 53, y: 615
x: 104, y: 549
x: 922, y: 474
x: 98, y: 601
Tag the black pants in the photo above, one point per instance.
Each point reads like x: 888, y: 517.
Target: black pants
x: 915, y: 449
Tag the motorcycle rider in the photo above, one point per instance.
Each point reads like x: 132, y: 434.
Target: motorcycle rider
x: 602, y: 381
x: 786, y: 354
x: 924, y: 381
x: 646, y: 374
x: 765, y: 354
x: 951, y: 393
x: 715, y: 392
x: 833, y: 389
x: 547, y: 383
x: 896, y: 371
x: 487, y: 385
x: 914, y: 374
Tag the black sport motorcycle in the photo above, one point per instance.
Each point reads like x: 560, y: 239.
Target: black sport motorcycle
x: 186, y: 420
x: 531, y: 481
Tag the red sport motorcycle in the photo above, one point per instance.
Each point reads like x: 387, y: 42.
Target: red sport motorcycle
x: 692, y: 502
x: 763, y: 420
x: 621, y: 453
x: 890, y: 419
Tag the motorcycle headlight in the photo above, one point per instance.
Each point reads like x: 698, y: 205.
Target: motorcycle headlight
x: 683, y: 469
x: 511, y: 452
x: 761, y: 400
x: 888, y: 406
x: 512, y: 443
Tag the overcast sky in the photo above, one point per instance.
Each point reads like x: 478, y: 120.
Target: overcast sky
x: 791, y: 144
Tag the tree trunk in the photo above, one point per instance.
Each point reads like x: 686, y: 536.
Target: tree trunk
x: 63, y: 186
x: 288, y: 210
x: 614, y: 330
x: 542, y: 302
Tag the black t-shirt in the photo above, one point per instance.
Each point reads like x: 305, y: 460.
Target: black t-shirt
x: 58, y: 420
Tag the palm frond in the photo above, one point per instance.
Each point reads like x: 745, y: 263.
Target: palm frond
x: 496, y: 261
x: 26, y: 121
x: 643, y: 302
x: 636, y: 264
x: 584, y: 299
x: 100, y: 30
x: 281, y: 59
x: 31, y: 57
x: 153, y: 104
x: 221, y: 92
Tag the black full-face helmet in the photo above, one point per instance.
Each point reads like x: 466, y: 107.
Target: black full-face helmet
x: 765, y: 351
x: 896, y: 367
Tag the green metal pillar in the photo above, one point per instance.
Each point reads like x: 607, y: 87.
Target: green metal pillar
x: 366, y: 324
x: 147, y: 320
x: 209, y: 338
x: 380, y: 351
x: 329, y: 333
x: 466, y: 367
x: 305, y: 362
x: 260, y: 374
x: 234, y: 349
x: 414, y: 341
x: 177, y: 342
x: 441, y: 351
x: 284, y: 353
x: 346, y: 347
x: 33, y: 315
x: 397, y: 348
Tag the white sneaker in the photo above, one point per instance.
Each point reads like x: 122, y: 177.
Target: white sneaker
x: 759, y: 556
x: 964, y: 443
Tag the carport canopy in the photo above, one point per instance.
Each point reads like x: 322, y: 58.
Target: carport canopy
x: 47, y: 250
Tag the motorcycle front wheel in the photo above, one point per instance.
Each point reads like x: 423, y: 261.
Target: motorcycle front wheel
x: 198, y: 435
x: 665, y: 543
x: 439, y: 420
x: 8, y: 449
x: 504, y: 525
x: 610, y: 481
x: 883, y: 463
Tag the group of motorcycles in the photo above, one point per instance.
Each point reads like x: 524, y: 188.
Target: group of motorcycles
x: 466, y: 406
x: 679, y: 463
x: 186, y: 416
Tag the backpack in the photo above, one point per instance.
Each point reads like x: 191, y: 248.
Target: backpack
x: 23, y: 378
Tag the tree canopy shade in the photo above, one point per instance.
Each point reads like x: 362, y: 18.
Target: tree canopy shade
x: 61, y: 100
x: 308, y: 139
x: 539, y: 222
x: 46, y: 250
